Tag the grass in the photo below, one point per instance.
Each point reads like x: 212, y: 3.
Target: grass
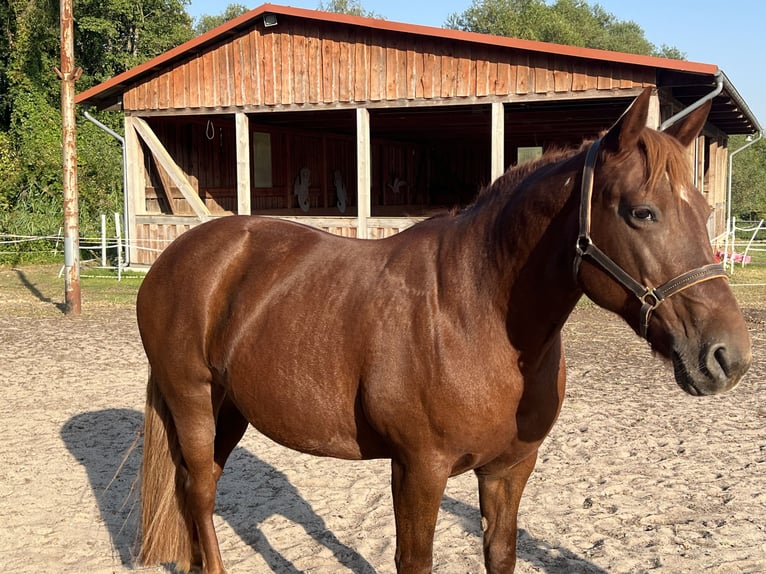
x: 39, y: 288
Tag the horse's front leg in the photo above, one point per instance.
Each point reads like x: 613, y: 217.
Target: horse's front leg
x: 417, y: 488
x: 499, y: 496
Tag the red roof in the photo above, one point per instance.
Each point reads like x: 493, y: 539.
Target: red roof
x: 232, y: 26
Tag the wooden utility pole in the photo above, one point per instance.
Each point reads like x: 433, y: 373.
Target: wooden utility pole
x: 68, y: 75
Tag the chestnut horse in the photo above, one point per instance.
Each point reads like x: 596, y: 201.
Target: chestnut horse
x: 438, y: 348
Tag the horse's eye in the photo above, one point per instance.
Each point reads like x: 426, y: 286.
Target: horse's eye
x: 642, y: 214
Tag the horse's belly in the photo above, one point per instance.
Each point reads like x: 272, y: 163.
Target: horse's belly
x: 309, y: 417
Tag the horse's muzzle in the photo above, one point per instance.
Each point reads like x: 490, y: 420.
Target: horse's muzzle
x: 715, y: 369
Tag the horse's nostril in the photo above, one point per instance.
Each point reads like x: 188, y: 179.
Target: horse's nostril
x: 717, y: 362
x: 721, y: 356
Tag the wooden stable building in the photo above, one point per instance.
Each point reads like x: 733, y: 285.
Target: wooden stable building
x: 363, y: 127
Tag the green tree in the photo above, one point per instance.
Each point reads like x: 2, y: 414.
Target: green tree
x: 207, y: 22
x: 570, y: 22
x: 748, y: 179
x: 115, y: 35
x: 351, y: 7
x: 110, y: 37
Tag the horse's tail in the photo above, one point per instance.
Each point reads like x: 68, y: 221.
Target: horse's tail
x: 165, y: 519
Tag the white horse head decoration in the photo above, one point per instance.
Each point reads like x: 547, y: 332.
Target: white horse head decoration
x: 340, y: 190
x: 301, y: 188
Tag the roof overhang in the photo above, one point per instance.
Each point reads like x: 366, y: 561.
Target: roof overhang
x: 687, y: 81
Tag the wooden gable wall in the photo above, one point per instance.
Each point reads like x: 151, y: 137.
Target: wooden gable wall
x: 302, y: 62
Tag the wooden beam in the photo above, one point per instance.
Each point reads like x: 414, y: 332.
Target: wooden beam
x: 136, y: 184
x: 497, y: 166
x: 243, y: 164
x: 654, y: 119
x: 163, y: 157
x: 363, y: 171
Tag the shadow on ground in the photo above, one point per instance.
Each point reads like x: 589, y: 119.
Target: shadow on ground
x: 106, y: 443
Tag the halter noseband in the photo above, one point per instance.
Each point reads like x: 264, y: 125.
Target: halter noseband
x: 650, y: 297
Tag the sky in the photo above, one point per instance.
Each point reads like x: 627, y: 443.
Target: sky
x: 726, y: 34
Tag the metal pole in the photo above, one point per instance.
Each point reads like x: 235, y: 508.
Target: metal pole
x: 729, y: 224
x: 68, y: 75
x: 125, y: 199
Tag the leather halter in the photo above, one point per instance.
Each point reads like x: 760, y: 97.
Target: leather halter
x: 650, y: 297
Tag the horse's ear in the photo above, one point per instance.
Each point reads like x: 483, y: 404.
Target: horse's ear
x: 624, y: 133
x: 688, y: 128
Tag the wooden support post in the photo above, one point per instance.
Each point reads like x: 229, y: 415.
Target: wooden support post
x: 135, y: 186
x: 654, y: 119
x: 363, y: 172
x: 498, y: 141
x: 243, y: 164
x: 68, y: 75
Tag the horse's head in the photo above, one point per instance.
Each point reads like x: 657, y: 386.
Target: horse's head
x: 643, y: 250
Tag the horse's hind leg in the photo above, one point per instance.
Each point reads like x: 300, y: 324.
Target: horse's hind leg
x: 230, y: 428
x: 194, y: 419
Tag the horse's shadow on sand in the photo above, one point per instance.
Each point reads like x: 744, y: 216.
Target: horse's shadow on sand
x: 100, y: 440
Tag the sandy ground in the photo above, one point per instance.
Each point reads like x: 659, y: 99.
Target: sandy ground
x: 635, y: 477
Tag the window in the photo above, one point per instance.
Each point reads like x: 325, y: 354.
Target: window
x: 525, y: 154
x: 262, y: 159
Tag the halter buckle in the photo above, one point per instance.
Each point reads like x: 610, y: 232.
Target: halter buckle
x: 583, y: 244
x: 651, y: 298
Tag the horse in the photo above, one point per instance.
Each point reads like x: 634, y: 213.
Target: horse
x: 439, y: 348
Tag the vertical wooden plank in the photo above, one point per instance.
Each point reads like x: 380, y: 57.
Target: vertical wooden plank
x: 604, y: 79
x: 243, y: 163
x: 448, y: 76
x: 376, y: 71
x: 523, y: 75
x: 562, y: 77
x: 412, y: 68
x: 256, y: 67
x: 540, y: 66
x: 344, y: 69
x: 392, y: 73
x: 221, y: 71
x: 276, y: 59
x: 140, y: 100
x: 192, y: 83
x: 208, y: 90
x: 482, y: 73
x: 428, y: 73
x: 315, y: 67
x: 504, y: 85
x: 363, y: 171
x: 361, y: 71
x: 267, y: 68
x: 237, y: 68
x: 579, y: 77
x: 300, y: 72
x: 465, y: 75
x: 180, y: 91
x: 129, y: 99
x: 163, y: 91
x: 329, y: 70
x: 497, y: 133
x: 287, y: 69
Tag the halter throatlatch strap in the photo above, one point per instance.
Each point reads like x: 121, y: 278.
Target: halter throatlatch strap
x: 650, y: 297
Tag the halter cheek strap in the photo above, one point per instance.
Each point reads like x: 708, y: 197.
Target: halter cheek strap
x: 650, y: 297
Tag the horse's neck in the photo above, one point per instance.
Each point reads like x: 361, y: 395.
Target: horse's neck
x: 534, y: 235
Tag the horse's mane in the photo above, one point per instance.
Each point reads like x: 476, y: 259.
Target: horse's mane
x: 665, y: 156
x: 515, y: 174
